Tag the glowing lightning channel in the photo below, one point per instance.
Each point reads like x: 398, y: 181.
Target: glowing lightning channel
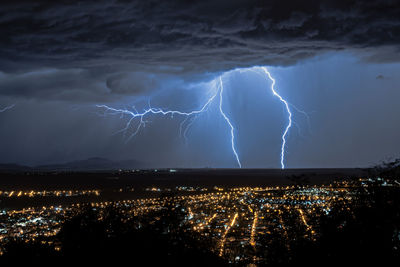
x: 191, y: 116
x: 228, y: 121
x: 7, y: 108
x: 289, y: 117
x: 134, y: 114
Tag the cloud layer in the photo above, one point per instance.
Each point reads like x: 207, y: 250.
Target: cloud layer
x: 96, y: 49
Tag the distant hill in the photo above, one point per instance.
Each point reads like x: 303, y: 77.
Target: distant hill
x: 91, y: 164
x: 14, y: 167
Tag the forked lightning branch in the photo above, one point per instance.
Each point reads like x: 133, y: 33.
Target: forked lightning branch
x: 136, y: 120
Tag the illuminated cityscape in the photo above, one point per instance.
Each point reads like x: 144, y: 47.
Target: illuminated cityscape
x: 239, y: 220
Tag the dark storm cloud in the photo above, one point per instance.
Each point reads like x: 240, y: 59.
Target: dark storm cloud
x: 71, y: 84
x: 78, y: 84
x: 98, y: 49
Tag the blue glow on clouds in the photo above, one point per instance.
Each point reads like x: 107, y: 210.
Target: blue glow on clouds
x: 137, y: 119
x: 352, y: 121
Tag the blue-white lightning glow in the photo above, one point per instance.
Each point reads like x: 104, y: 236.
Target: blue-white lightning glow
x: 221, y: 91
x: 289, y: 116
x: 134, y: 114
x: 7, y: 108
x: 217, y: 87
x: 189, y: 115
x: 265, y: 73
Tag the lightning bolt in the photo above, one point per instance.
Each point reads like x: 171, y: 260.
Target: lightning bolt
x: 228, y: 121
x: 263, y: 71
x: 218, y: 90
x: 286, y: 104
x: 7, y: 108
x: 158, y: 111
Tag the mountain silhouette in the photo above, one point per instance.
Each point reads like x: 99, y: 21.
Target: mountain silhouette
x: 90, y: 164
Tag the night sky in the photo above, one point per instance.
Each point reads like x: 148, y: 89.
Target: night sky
x: 339, y: 61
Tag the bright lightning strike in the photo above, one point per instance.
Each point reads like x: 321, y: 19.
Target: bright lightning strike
x: 189, y: 115
x: 7, y: 108
x: 228, y: 121
x: 287, y: 105
x: 218, y: 87
x: 289, y: 116
x: 134, y: 114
